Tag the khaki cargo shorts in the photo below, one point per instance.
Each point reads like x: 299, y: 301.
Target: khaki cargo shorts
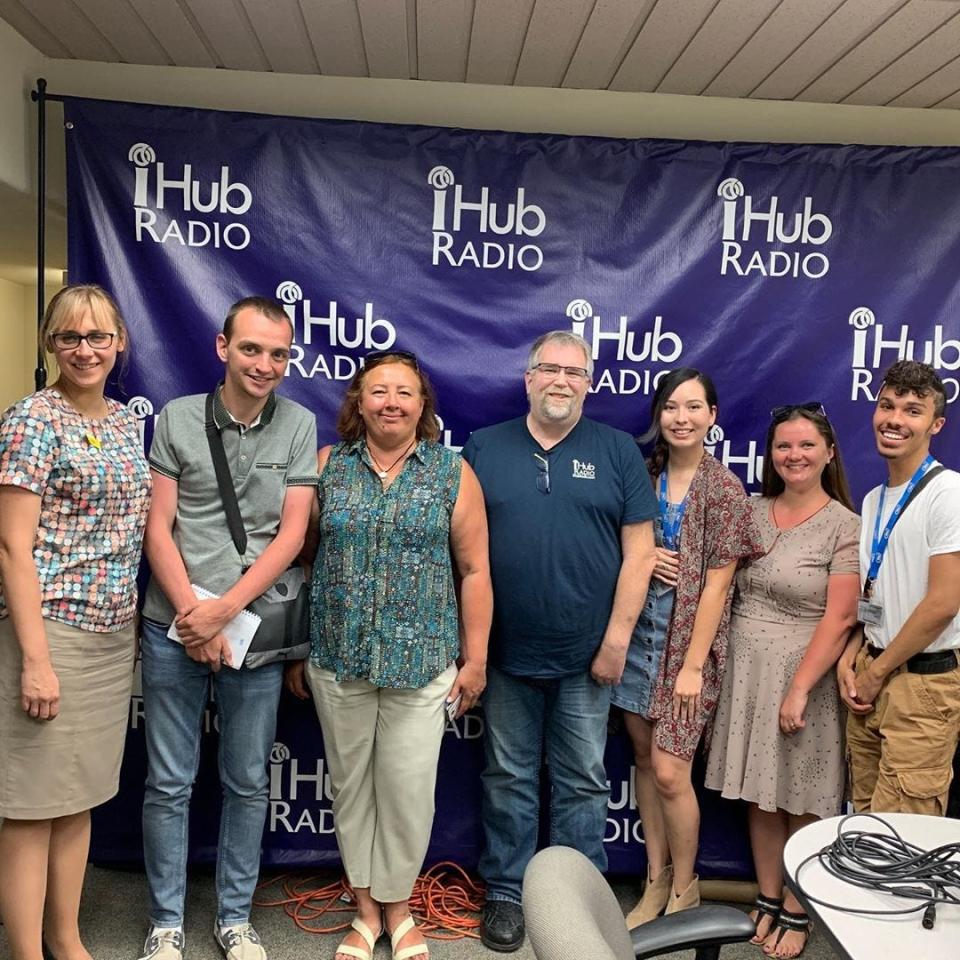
x: 901, y: 753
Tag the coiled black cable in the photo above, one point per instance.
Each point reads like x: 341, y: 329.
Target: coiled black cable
x: 886, y: 863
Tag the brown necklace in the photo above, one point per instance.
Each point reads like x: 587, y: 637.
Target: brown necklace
x: 809, y: 516
x: 383, y: 474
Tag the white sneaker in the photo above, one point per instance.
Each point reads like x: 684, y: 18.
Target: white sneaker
x: 163, y: 943
x: 239, y: 942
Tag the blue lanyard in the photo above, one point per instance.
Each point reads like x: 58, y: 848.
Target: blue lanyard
x: 880, y: 540
x: 670, y: 525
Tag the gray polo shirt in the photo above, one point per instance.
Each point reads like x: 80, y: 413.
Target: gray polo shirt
x: 280, y: 451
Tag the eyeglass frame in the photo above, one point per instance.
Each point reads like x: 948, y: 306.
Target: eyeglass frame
x: 543, y: 473
x: 81, y: 337
x: 571, y: 373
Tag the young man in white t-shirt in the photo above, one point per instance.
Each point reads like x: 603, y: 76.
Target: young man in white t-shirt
x: 899, y: 674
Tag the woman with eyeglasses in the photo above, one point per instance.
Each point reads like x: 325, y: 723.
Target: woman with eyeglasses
x: 74, y: 491
x: 402, y: 536
x: 778, y: 741
x: 678, y: 649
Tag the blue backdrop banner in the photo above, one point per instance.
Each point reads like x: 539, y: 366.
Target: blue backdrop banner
x: 789, y: 273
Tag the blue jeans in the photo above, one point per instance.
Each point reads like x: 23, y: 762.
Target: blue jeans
x: 176, y: 690
x: 565, y: 717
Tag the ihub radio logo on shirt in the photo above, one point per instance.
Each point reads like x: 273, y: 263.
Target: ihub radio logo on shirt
x: 172, y: 205
x: 876, y: 347
x: 754, y: 236
x: 477, y: 228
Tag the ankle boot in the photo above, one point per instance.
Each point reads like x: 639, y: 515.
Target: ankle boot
x: 685, y: 899
x: 654, y: 899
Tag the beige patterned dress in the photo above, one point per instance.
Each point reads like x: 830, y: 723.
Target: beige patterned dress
x: 779, y: 601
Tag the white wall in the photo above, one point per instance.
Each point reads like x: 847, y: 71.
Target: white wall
x: 20, y: 64
x: 530, y: 109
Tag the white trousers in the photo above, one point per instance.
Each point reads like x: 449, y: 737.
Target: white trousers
x: 381, y: 745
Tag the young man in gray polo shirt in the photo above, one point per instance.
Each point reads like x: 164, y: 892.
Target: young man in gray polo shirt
x: 271, y: 447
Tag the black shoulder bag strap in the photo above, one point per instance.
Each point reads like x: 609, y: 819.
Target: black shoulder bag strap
x: 224, y: 481
x: 921, y: 483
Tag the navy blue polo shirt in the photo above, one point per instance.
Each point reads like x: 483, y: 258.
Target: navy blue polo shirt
x: 555, y: 557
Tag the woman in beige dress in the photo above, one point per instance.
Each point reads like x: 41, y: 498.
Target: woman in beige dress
x: 778, y: 741
x: 74, y: 491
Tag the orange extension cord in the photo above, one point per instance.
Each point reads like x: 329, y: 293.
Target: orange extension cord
x: 445, y: 902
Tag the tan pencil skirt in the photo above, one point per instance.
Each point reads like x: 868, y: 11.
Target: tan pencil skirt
x: 54, y: 768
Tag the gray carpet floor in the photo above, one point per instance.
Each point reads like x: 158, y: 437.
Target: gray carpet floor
x: 114, y: 912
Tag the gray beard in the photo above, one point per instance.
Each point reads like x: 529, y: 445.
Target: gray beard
x: 556, y: 411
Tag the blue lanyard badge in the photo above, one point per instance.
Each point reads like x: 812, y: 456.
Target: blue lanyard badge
x: 670, y: 520
x: 880, y: 540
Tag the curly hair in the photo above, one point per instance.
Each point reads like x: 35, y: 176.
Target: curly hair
x: 912, y: 376
x: 350, y: 425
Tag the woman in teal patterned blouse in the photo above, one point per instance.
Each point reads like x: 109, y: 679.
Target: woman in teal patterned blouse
x: 399, y: 522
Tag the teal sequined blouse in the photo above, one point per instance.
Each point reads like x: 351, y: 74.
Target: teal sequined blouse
x: 383, y: 604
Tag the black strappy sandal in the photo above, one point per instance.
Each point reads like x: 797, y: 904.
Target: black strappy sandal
x: 798, y: 922
x: 766, y: 907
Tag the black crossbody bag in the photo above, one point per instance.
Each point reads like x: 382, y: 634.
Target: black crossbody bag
x: 284, y: 631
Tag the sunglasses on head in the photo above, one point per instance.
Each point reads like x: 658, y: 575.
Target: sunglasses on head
x: 782, y: 412
x: 379, y: 356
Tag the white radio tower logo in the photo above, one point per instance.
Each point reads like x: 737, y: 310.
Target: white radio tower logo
x: 440, y: 178
x: 140, y: 407
x: 730, y: 189
x: 714, y: 435
x: 289, y: 292
x: 579, y: 310
x: 142, y: 154
x: 861, y: 318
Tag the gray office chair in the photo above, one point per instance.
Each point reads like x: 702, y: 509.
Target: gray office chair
x: 570, y: 911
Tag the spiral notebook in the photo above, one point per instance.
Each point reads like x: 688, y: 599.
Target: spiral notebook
x: 239, y: 631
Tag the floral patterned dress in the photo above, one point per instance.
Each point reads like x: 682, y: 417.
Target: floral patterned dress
x: 717, y: 530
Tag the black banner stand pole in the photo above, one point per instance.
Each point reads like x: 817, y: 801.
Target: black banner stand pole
x: 40, y: 97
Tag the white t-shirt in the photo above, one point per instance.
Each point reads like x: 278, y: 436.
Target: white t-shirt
x: 930, y: 526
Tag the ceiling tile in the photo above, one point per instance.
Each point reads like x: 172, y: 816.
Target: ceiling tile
x: 443, y: 39
x: 912, y: 67
x: 125, y: 30
x: 904, y: 30
x: 839, y: 34
x: 66, y: 21
x: 665, y: 34
x: 785, y: 30
x: 31, y: 29
x: 175, y: 32
x: 729, y: 26
x: 386, y: 38
x: 552, y: 37
x: 228, y: 31
x: 334, y: 30
x: 605, y: 41
x: 499, y: 28
x: 937, y: 90
x: 283, y: 35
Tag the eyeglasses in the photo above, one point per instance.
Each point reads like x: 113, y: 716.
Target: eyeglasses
x: 543, y: 473
x: 380, y: 356
x: 553, y: 370
x: 70, y: 339
x: 781, y: 413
